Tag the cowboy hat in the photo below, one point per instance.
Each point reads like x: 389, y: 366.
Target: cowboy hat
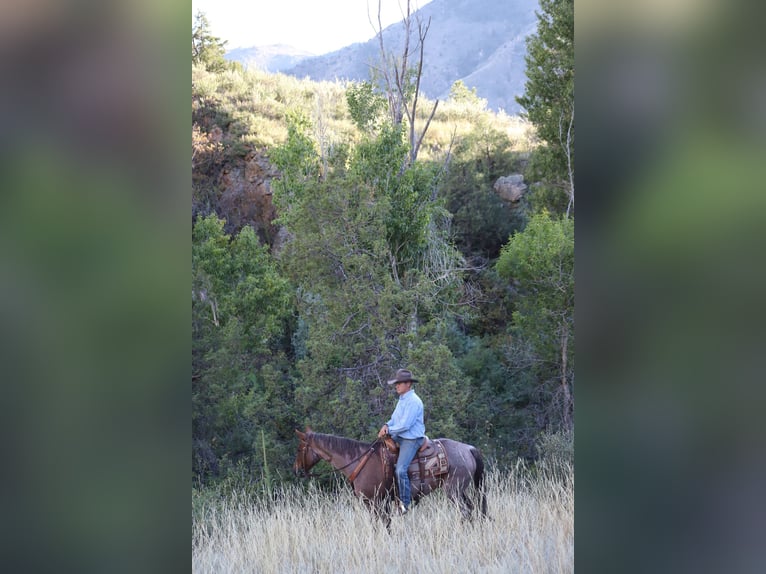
x: 402, y: 376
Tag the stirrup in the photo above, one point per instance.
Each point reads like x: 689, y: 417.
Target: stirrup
x: 403, y: 509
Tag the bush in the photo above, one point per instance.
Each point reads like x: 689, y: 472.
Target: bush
x: 556, y: 454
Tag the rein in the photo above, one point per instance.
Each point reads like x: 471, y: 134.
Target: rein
x: 365, y: 456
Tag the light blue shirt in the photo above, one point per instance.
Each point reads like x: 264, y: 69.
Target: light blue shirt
x: 407, y: 420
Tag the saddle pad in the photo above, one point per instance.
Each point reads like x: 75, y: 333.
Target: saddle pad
x: 433, y: 464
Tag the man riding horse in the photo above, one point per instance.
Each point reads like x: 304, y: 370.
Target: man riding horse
x: 445, y: 463
x: 407, y: 428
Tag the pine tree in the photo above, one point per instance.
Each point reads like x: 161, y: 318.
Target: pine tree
x: 207, y: 50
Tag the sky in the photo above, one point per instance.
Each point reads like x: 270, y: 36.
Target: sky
x: 316, y: 26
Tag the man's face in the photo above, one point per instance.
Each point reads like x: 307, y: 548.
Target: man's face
x: 402, y: 388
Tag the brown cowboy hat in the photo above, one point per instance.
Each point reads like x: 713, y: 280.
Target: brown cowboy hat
x: 402, y: 376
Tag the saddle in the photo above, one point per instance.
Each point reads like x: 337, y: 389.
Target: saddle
x: 430, y: 461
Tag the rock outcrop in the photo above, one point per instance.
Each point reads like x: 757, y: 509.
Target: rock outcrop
x: 510, y: 188
x: 246, y: 194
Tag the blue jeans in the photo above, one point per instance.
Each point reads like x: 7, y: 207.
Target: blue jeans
x: 408, y: 448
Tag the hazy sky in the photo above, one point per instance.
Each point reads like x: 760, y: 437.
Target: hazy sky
x: 317, y: 26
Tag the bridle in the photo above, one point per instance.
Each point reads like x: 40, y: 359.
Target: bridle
x: 304, y: 445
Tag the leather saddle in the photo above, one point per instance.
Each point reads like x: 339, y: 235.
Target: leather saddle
x: 430, y: 460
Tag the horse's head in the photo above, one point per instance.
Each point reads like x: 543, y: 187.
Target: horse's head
x: 307, y: 457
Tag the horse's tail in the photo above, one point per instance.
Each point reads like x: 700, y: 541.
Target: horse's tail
x: 478, y: 480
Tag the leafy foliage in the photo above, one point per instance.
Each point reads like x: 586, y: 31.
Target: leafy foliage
x: 240, y: 306
x: 556, y: 455
x: 298, y: 162
x: 548, y: 102
x: 366, y: 106
x: 481, y: 222
x: 541, y: 261
x: 365, y: 244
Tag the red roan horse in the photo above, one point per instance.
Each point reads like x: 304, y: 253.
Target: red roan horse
x: 369, y: 467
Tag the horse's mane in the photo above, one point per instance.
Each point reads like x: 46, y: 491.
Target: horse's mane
x: 340, y: 443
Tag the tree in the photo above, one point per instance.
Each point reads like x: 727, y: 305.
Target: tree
x: 374, y: 276
x: 366, y: 106
x: 459, y: 93
x: 540, y: 260
x: 299, y: 165
x: 402, y: 82
x: 481, y: 221
x: 548, y: 99
x: 207, y: 50
x: 240, y: 308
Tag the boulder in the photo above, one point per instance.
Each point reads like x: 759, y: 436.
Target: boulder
x: 510, y: 187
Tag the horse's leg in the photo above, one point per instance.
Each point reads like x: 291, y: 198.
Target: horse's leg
x: 456, y: 488
x: 467, y: 505
x: 478, y: 483
x: 386, y: 516
x: 380, y: 508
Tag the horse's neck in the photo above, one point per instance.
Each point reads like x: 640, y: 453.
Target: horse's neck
x: 339, y: 450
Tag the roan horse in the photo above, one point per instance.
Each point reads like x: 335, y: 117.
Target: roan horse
x: 370, y: 469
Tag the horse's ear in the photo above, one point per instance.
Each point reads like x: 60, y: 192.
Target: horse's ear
x: 309, y: 429
x: 300, y: 434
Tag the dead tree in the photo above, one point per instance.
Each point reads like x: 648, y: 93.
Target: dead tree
x: 402, y: 82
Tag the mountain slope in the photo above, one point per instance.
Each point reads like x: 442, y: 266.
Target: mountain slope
x: 273, y: 58
x: 481, y: 42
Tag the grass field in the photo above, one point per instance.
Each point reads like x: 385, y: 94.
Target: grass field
x: 309, y: 531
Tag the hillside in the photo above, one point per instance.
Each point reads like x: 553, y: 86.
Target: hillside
x: 272, y: 58
x: 481, y: 42
x: 240, y: 115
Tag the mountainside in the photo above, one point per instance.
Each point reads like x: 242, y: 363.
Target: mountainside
x: 273, y: 58
x: 481, y: 42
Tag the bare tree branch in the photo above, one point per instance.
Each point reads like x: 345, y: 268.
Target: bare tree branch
x: 423, y: 133
x: 567, y: 145
x: 398, y: 87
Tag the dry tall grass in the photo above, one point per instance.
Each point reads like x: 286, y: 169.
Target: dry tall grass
x: 531, y: 530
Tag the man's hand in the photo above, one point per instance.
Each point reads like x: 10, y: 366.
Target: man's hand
x: 383, y: 431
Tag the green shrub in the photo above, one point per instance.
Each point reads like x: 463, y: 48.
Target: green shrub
x: 556, y: 454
